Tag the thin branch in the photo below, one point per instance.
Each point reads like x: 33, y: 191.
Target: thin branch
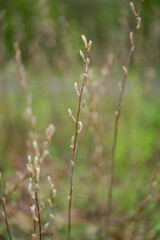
x: 86, y: 62
x: 120, y: 104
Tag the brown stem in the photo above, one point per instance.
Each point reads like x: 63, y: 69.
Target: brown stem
x: 117, y: 115
x: 5, y: 215
x: 38, y: 210
x: 39, y: 215
x: 74, y: 152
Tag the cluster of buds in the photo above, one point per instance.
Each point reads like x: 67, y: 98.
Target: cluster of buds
x: 51, y: 186
x: 135, y: 14
x: 87, y: 45
x: 84, y: 57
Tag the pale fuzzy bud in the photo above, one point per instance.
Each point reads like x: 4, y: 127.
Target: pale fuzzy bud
x: 72, y: 142
x: 36, y: 187
x: 38, y: 173
x: 54, y: 193
x: 72, y: 163
x: 83, y: 104
x: 70, y: 114
x: 32, y: 208
x: 4, y: 200
x: 3, y: 214
x: 52, y: 185
x: 36, y: 160
x: 85, y: 41
x: 69, y: 198
x: 80, y: 126
x: 29, y: 168
x: 116, y: 114
x: 89, y: 45
x: 138, y: 22
x: 34, y: 237
x: 49, y: 202
x: 85, y: 77
x: 0, y: 175
x: 76, y: 88
x: 29, y: 159
x: 36, y: 148
x: 30, y: 190
x: 125, y: 70
x: 87, y: 63
x: 49, y: 179
x: 132, y: 48
x: 33, y: 212
x: 49, y: 132
x: 133, y: 8
x: 131, y: 38
x: 45, y: 228
x: 82, y: 55
x: 30, y: 187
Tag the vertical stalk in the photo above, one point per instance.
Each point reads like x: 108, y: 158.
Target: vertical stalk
x: 120, y: 103
x: 86, y: 62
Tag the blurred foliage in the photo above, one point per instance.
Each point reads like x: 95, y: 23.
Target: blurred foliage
x: 51, y: 27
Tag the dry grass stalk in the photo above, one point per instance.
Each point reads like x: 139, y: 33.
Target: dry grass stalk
x: 78, y: 124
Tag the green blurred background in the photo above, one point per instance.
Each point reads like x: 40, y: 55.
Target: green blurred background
x: 49, y: 35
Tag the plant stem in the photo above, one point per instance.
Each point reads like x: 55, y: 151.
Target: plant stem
x: 39, y: 215
x: 117, y: 115
x: 74, y: 151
